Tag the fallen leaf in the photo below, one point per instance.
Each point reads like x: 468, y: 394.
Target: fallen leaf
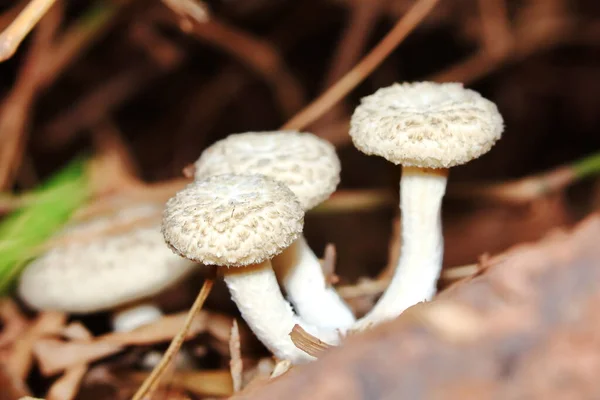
x: 76, y: 331
x: 21, y: 357
x: 161, y: 330
x: 66, y: 387
x: 12, y: 321
x: 11, y: 386
x: 55, y: 355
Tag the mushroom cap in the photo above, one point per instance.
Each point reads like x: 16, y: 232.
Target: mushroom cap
x: 232, y: 220
x: 84, y: 276
x: 426, y: 124
x: 307, y: 164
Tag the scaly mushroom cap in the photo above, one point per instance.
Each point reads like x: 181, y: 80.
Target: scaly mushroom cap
x: 426, y: 124
x: 103, y: 272
x: 307, y: 164
x: 232, y: 220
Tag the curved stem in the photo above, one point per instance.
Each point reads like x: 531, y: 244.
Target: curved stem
x: 255, y: 291
x: 301, y: 275
x: 420, y: 263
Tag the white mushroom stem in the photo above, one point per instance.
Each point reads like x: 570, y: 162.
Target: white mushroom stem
x: 133, y: 316
x: 255, y: 291
x: 420, y: 263
x: 301, y: 275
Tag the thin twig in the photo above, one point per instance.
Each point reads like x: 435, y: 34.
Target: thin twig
x: 367, y: 65
x: 17, y: 104
x: 153, y: 379
x: 495, y: 26
x: 530, y: 188
x: 362, y: 20
x: 236, y: 365
x: 11, y: 37
x: 259, y: 55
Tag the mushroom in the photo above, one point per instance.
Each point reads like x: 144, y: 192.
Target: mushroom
x: 309, y: 166
x: 88, y: 274
x: 240, y: 222
x: 427, y: 128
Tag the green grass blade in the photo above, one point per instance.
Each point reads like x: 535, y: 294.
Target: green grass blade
x: 26, y: 229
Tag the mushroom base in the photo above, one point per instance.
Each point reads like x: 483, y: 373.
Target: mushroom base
x: 255, y: 291
x: 420, y: 263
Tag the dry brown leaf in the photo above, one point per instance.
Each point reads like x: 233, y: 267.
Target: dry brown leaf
x: 161, y: 331
x: 66, y: 387
x: 236, y: 365
x: 76, y: 331
x: 11, y: 387
x: 12, y: 321
x: 55, y: 356
x: 21, y: 357
x: 308, y: 343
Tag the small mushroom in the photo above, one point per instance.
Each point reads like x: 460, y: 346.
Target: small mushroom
x: 121, y: 271
x: 240, y: 222
x: 309, y: 166
x: 427, y: 128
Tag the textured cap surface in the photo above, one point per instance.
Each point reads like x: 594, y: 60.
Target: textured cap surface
x: 425, y: 124
x: 108, y: 271
x: 307, y: 164
x: 232, y: 220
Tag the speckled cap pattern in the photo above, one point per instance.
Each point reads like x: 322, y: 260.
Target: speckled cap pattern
x: 100, y: 274
x: 307, y: 164
x: 426, y: 124
x: 232, y: 220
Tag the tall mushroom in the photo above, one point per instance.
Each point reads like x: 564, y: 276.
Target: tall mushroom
x: 239, y: 222
x: 427, y: 128
x: 309, y: 166
x: 117, y: 272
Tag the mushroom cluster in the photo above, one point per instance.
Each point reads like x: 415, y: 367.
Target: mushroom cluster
x: 244, y: 211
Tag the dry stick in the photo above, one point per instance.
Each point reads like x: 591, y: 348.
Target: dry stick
x: 72, y: 43
x: 363, y: 17
x: 153, y: 379
x: 14, y: 34
x: 497, y: 35
x: 196, y: 10
x: 259, y: 55
x: 335, y: 93
x: 236, y: 365
x: 16, y: 106
x: 530, y: 188
x: 104, y: 98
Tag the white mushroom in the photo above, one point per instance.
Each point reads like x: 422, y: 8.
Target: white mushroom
x: 427, y: 128
x: 239, y: 222
x: 121, y: 271
x: 309, y: 166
